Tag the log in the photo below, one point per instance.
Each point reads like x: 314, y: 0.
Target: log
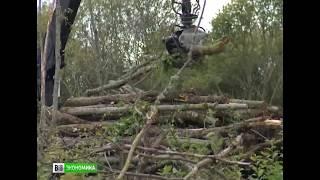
x: 185, y: 117
x: 257, y: 123
x: 195, y: 117
x: 75, y: 130
x: 64, y: 118
x: 203, y: 106
x: 202, y: 132
x: 120, y: 82
x: 94, y: 100
x: 247, y: 113
x: 193, y: 141
x: 273, y: 109
x: 83, y: 111
x: 198, y: 51
x: 221, y: 100
x: 194, y: 99
x: 151, y: 96
x: 86, y: 126
x: 250, y: 103
x: 78, y: 111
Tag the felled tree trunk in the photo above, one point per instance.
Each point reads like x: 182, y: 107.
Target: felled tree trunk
x: 120, y: 82
x: 77, y: 111
x: 63, y: 118
x: 75, y: 130
x: 151, y: 96
x: 185, y: 117
x: 254, y: 123
x: 87, y: 101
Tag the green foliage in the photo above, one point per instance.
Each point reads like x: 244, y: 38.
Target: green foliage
x: 232, y: 172
x: 251, y: 66
x: 166, y: 170
x: 267, y: 165
x: 42, y: 22
x: 216, y: 143
x: 127, y: 126
x: 171, y: 170
x: 124, y: 30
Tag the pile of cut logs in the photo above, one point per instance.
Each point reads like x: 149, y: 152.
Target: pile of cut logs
x: 247, y: 126
x: 255, y: 125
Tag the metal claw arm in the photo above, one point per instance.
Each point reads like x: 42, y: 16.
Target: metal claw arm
x: 186, y: 7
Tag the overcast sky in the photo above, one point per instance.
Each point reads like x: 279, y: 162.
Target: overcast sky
x: 211, y: 9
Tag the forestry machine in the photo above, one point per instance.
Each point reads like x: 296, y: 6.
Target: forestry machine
x: 180, y: 41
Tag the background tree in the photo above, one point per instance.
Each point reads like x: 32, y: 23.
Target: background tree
x: 110, y: 37
x: 251, y: 68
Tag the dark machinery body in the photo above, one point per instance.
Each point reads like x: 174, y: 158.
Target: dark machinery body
x: 181, y: 40
x: 69, y: 8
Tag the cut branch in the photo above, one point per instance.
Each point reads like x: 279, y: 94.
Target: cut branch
x: 208, y: 161
x: 210, y: 50
x: 166, y: 157
x: 260, y: 146
x: 83, y: 127
x: 120, y: 82
x: 150, y: 118
x: 202, y: 132
x: 251, y: 123
x: 150, y: 176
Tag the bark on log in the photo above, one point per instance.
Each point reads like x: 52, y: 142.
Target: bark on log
x: 151, y: 96
x: 259, y: 122
x: 195, y: 117
x: 250, y: 103
x: 64, y: 118
x: 187, y: 140
x: 83, y: 111
x: 94, y: 100
x: 185, y: 117
x: 78, y: 111
x: 202, y: 132
x: 120, y: 82
x: 75, y: 130
x: 86, y: 126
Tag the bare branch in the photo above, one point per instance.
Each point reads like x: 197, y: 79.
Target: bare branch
x: 166, y: 157
x: 143, y: 175
x: 208, y: 161
x: 233, y: 162
x: 120, y: 82
x: 201, y: 132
